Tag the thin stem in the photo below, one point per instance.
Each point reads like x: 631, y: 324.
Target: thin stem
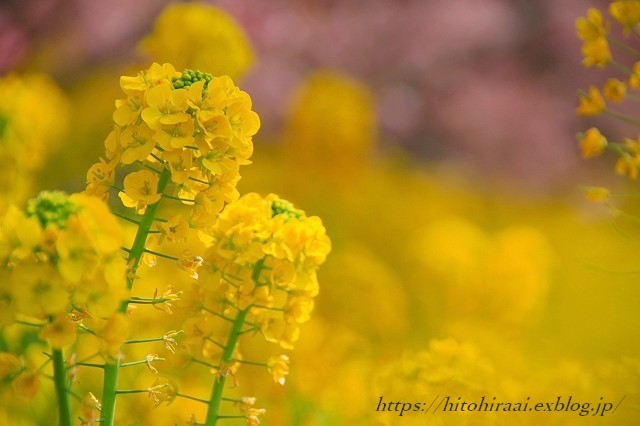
x: 622, y: 117
x: 88, y: 364
x: 155, y: 253
x: 205, y: 363
x: 130, y: 391
x: 30, y: 324
x: 227, y: 356
x: 149, y: 301
x: 193, y: 398
x: 128, y: 219
x: 244, y: 361
x: 153, y: 339
x: 172, y: 197
x: 60, y: 382
x: 142, y: 361
x: 623, y: 69
x: 623, y: 46
x: 111, y: 369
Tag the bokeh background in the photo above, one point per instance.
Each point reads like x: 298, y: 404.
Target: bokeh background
x: 435, y: 138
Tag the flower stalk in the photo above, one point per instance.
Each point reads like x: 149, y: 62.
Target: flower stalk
x: 218, y: 386
x: 111, y: 369
x: 60, y: 382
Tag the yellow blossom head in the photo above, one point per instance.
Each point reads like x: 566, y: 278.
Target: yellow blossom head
x: 626, y: 12
x: 34, y: 115
x: 592, y: 103
x: 191, y: 126
x: 592, y: 143
x: 615, y: 90
x: 198, y: 35
x: 592, y: 27
x: 332, y: 127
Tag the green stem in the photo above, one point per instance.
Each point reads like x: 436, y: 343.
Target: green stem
x: 227, y: 356
x: 60, y: 381
x: 111, y: 369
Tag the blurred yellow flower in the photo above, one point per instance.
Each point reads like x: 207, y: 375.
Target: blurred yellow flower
x: 592, y: 27
x: 634, y: 79
x: 112, y: 334
x: 596, y: 194
x: 593, y: 143
x: 34, y: 115
x: 626, y: 165
x: 331, y: 129
x: 596, y: 52
x: 10, y: 364
x: 61, y: 331
x: 615, y: 90
x: 198, y: 35
x: 592, y: 103
x: 626, y: 12
x: 27, y: 384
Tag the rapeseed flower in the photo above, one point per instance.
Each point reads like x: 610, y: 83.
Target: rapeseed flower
x: 208, y: 39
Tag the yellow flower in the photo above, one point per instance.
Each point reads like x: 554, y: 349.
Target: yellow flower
x: 200, y: 36
x: 163, y: 390
x: 175, y: 136
x: 166, y: 106
x: 190, y: 263
x: 175, y: 229
x: 592, y: 103
x: 279, y: 368
x: 59, y: 332
x: 90, y: 410
x: 180, y: 164
x: 298, y: 309
x: 140, y: 190
x: 113, y: 334
x: 19, y: 235
x: 596, y: 52
x: 10, y: 364
x: 634, y: 79
x: 34, y: 116
x: 592, y: 27
x: 627, y: 166
x: 156, y: 75
x: 593, y: 143
x: 615, y: 90
x: 137, y: 143
x: 42, y: 292
x: 626, y: 12
x: 100, y: 177
x: 313, y: 141
x: 27, y: 383
x: 596, y: 194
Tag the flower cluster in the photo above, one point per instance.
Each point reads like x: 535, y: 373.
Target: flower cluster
x: 62, y: 268
x: 262, y: 259
x: 208, y: 39
x: 313, y: 138
x: 598, y: 37
x: 34, y: 115
x: 194, y: 128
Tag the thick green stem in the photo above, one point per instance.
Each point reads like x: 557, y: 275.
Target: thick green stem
x: 112, y: 368
x: 60, y: 381
x: 218, y: 385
